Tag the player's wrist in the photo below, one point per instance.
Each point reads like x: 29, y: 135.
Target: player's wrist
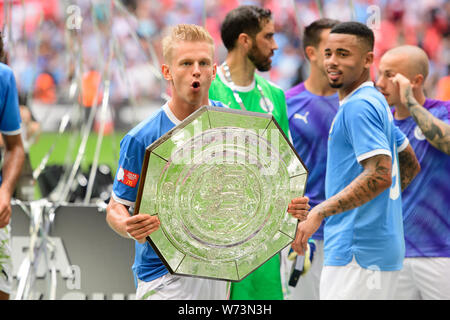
x: 317, y: 214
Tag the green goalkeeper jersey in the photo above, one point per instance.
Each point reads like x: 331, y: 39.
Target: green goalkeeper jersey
x: 273, y: 99
x: 265, y: 282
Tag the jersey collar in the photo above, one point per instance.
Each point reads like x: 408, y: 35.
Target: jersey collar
x: 171, y: 116
x: 248, y: 88
x: 364, y: 84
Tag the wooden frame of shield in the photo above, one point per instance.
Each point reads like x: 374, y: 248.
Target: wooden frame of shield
x: 220, y: 183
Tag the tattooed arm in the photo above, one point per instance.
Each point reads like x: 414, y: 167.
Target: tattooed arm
x: 375, y: 178
x: 409, y: 166
x: 436, y: 131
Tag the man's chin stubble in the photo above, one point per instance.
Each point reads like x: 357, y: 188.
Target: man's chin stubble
x: 335, y: 85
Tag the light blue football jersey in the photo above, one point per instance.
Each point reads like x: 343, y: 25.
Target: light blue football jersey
x: 147, y: 265
x: 10, y: 121
x: 372, y: 233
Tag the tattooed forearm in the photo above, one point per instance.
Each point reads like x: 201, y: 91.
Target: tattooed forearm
x: 409, y: 166
x: 375, y: 178
x: 410, y: 100
x: 435, y: 130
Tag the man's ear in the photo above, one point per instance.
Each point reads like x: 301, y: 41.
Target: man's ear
x: 417, y: 81
x: 369, y: 59
x: 165, y: 70
x: 310, y: 53
x: 244, y: 41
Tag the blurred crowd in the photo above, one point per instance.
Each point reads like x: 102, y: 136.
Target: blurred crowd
x: 39, y: 40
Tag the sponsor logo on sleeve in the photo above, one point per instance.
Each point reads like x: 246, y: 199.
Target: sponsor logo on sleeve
x: 127, y: 177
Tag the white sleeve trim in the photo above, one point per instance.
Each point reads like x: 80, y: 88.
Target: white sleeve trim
x: 404, y: 145
x: 373, y: 153
x: 12, y: 133
x: 122, y: 201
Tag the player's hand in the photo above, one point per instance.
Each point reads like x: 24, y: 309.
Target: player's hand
x: 141, y: 225
x: 405, y: 89
x: 299, y: 207
x: 5, y: 209
x: 305, y: 230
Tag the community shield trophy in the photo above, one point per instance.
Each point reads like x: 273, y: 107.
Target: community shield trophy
x: 220, y: 183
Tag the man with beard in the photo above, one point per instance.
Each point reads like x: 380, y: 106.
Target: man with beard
x: 363, y: 235
x: 425, y: 274
x: 248, y: 34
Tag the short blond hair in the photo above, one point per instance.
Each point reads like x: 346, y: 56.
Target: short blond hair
x: 184, y: 32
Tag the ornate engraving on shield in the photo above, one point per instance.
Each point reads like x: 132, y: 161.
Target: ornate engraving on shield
x: 220, y: 183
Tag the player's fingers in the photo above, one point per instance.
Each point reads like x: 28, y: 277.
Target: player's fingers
x: 300, y: 200
x: 393, y: 78
x: 144, y: 231
x: 140, y: 217
x: 297, y: 244
x: 141, y: 234
x: 5, y: 216
x: 140, y: 221
x: 299, y: 211
x: 299, y: 206
x: 299, y: 214
x: 4, y: 222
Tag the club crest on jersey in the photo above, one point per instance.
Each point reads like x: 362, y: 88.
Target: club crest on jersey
x: 266, y: 104
x: 127, y: 177
x: 418, y: 134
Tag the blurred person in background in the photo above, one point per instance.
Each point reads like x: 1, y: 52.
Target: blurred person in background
x: 426, y: 215
x: 13, y: 158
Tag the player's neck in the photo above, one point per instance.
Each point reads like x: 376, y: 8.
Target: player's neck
x: 402, y: 112
x: 242, y: 70
x: 182, y: 109
x: 317, y: 83
x: 419, y: 95
x: 344, y: 92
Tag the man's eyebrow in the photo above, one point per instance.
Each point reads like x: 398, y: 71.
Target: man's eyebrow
x: 338, y: 50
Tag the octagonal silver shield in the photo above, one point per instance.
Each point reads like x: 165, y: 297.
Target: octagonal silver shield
x: 220, y: 183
